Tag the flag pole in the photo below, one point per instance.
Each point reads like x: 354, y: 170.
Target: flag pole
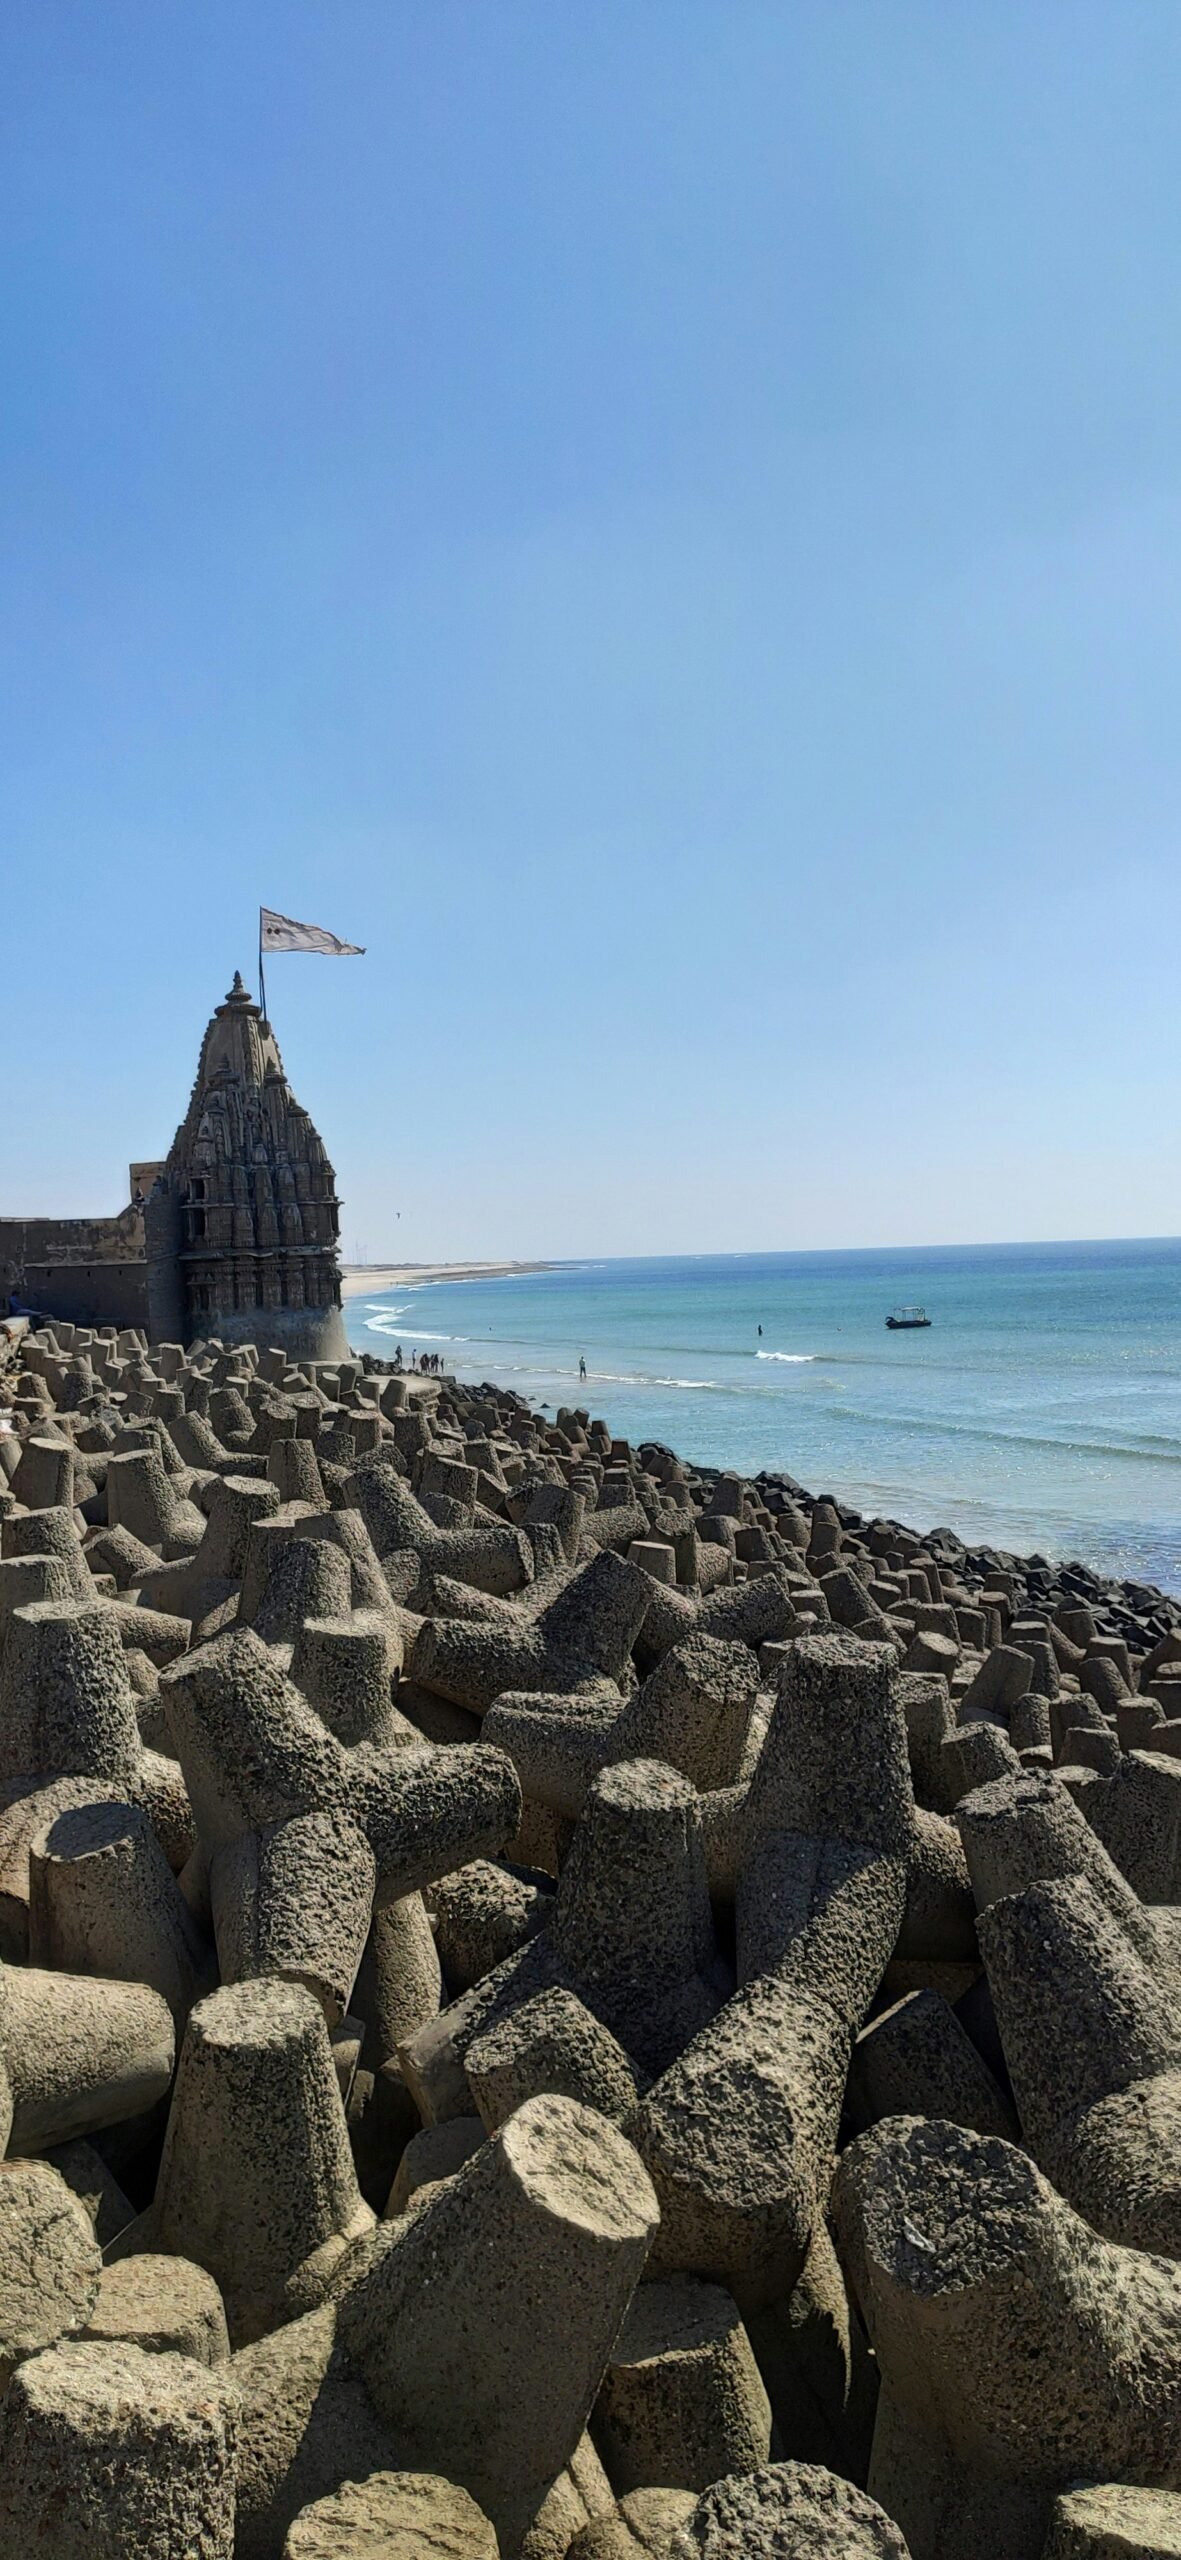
x: 262, y: 984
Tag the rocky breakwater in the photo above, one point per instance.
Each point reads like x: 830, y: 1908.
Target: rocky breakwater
x: 554, y: 2002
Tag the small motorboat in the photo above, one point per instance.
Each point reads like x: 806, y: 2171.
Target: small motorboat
x: 907, y: 1320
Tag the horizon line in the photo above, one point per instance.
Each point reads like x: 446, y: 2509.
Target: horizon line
x: 527, y: 1266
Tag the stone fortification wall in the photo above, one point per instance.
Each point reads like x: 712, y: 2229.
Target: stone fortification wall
x: 90, y: 1270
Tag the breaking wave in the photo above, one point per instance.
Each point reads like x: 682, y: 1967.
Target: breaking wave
x: 391, y: 1321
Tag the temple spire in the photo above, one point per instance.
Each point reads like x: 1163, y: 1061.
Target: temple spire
x: 243, y: 1227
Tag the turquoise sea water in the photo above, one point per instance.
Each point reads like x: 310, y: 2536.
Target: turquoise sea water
x: 1042, y: 1409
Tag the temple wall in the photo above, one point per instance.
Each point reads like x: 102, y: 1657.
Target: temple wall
x: 86, y: 1292
x: 69, y: 1257
x: 304, y: 1333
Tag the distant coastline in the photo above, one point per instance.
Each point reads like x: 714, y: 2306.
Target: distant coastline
x: 359, y: 1277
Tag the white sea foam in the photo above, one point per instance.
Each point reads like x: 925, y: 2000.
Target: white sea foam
x: 795, y: 1358
x: 394, y: 1322
x: 644, y: 1378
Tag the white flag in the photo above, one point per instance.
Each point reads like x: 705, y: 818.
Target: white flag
x: 282, y: 933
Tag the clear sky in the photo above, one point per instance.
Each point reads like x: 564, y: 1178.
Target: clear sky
x: 660, y: 517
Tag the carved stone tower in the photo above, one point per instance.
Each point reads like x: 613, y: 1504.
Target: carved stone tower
x: 241, y: 1226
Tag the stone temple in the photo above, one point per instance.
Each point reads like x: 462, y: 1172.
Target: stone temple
x: 237, y: 1234
x: 241, y: 1226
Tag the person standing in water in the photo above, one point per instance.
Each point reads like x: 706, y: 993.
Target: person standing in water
x: 582, y: 1365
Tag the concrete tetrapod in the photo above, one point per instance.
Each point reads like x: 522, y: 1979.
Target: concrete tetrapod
x: 739, y: 2131
x: 50, y: 2262
x: 1019, y: 2351
x: 51, y: 1533
x: 399, y: 1986
x: 255, y: 1753
x: 257, y: 2182
x: 482, y: 1913
x: 79, y: 2054
x: 307, y: 1578
x: 343, y: 1666
x: 66, y: 1706
x: 166, y: 2305
x: 490, y: 1554
x: 916, y: 2056
x: 787, y: 2511
x: 631, y: 1925
x: 343, y: 1531
x: 143, y: 1499
x: 196, y: 1583
x: 110, y: 2454
x: 754, y: 1613
x: 307, y: 2426
x: 581, y: 1641
x: 693, y: 1713
x: 552, y: 2042
x: 1092, y: 2039
x: 681, y: 2403
x: 67, y: 1709
x: 486, y: 2316
x: 296, y: 1900
x: 1025, y: 1827
x: 393, y: 2515
x: 640, y: 2527
x: 103, y: 1900
x: 631, y: 1935
x: 1115, y: 2522
x: 834, y: 1766
x: 44, y: 1478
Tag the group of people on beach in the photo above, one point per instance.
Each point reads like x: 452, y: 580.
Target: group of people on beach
x: 426, y: 1364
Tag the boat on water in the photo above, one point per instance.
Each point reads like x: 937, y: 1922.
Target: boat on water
x: 907, y: 1320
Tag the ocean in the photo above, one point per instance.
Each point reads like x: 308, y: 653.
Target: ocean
x: 1041, y: 1411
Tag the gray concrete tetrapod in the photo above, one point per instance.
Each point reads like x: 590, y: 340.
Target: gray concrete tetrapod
x: 66, y: 1703
x: 1092, y: 2039
x: 79, y: 2054
x: 487, y: 2315
x: 632, y: 1925
x: 738, y: 2133
x: 254, y: 1752
x: 257, y: 2180
x: 393, y: 2515
x: 552, y: 2042
x: 296, y: 1900
x: 974, y: 2277
x: 167, y: 2305
x: 106, y: 2452
x: 50, y: 2263
x: 583, y: 1638
x: 103, y: 1900
x: 787, y: 2511
x: 682, y: 2401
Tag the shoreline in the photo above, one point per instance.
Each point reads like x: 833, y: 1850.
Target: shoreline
x: 995, y: 1452
x: 1144, y: 1608
x: 1129, y: 1594
x: 356, y: 1278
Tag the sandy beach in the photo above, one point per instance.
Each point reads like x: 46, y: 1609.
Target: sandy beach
x: 358, y: 1277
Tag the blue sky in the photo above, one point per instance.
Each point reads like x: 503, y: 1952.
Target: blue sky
x: 664, y: 521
